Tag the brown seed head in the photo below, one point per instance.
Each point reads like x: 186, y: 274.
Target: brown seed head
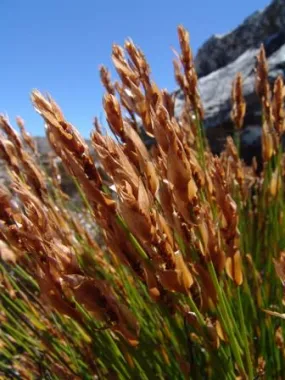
x: 278, y: 105
x: 26, y: 136
x: 114, y: 115
x: 261, y: 81
x: 238, y: 103
x: 106, y: 80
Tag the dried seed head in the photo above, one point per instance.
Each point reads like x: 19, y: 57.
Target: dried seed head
x: 179, y: 174
x: 280, y: 267
x: 186, y: 53
x: 275, y: 183
x: 126, y: 73
x: 278, y: 105
x: 136, y: 208
x: 190, y: 81
x: 238, y: 103
x: 115, y: 162
x: 234, y: 268
x: 161, y: 123
x: 178, y: 75
x: 26, y: 136
x: 99, y: 299
x: 279, y: 339
x: 268, y: 142
x: 261, y: 81
x: 114, y: 115
x: 97, y: 126
x: 6, y: 253
x: 261, y: 364
x: 11, y: 134
x: 168, y: 102
x: 106, y: 80
x: 9, y: 154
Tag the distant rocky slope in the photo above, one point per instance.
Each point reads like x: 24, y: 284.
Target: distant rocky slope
x: 219, y: 51
x: 222, y: 57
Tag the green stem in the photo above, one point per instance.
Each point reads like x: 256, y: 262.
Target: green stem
x: 227, y: 320
x: 244, y: 333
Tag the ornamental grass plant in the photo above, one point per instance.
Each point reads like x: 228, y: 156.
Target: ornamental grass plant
x: 181, y: 274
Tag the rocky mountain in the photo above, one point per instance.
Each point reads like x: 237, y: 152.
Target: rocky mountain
x: 219, y: 51
x: 219, y: 60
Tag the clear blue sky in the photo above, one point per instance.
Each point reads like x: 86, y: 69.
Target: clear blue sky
x: 58, y: 45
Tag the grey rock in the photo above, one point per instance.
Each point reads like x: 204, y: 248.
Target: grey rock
x: 219, y: 51
x: 221, y: 58
x: 215, y: 88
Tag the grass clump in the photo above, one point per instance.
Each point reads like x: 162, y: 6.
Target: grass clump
x: 187, y: 280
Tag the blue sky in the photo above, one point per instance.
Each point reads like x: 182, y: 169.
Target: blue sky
x: 58, y: 45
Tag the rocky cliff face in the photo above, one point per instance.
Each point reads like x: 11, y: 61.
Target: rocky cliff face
x: 222, y: 57
x: 219, y: 51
